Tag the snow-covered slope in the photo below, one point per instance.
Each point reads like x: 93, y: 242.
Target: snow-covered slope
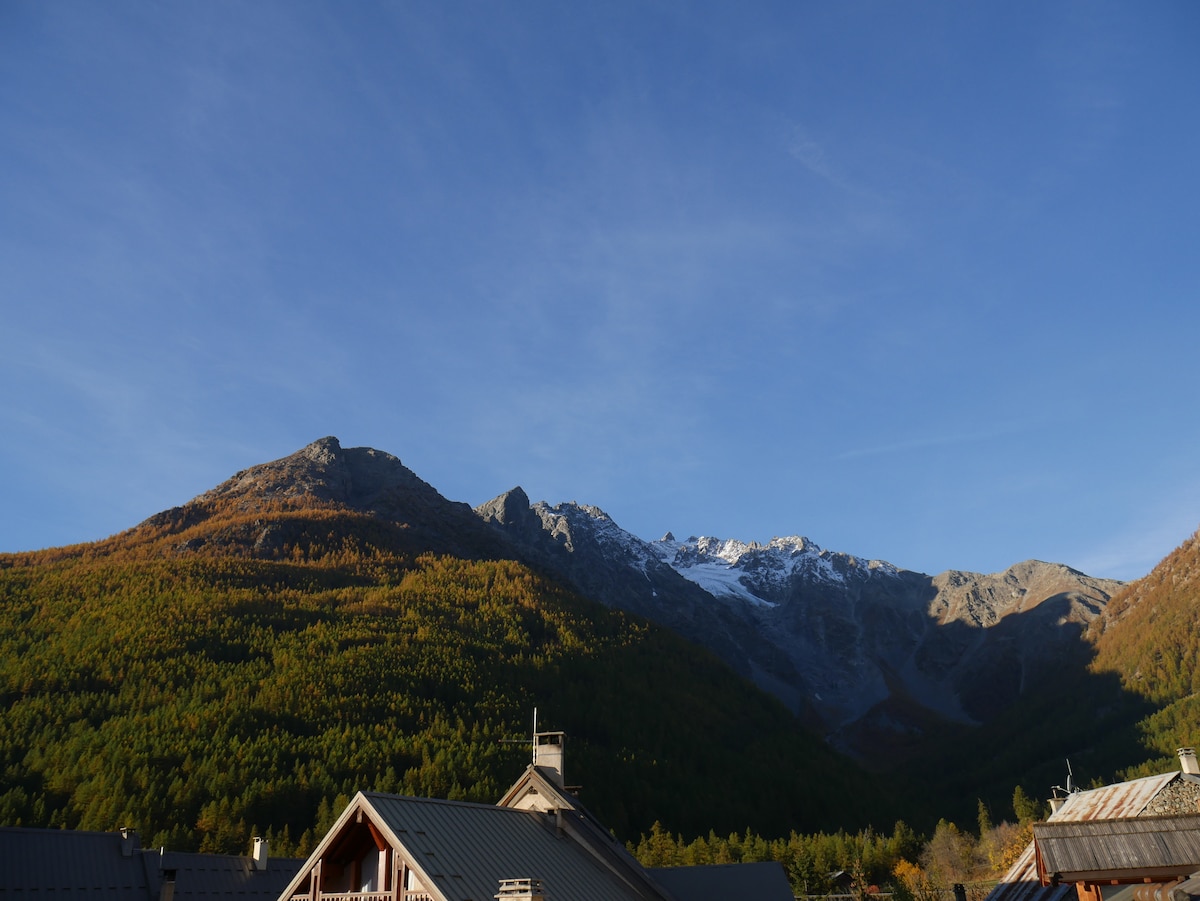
x: 755, y: 572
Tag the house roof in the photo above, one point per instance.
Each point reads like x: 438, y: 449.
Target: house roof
x: 49, y: 863
x: 765, y: 881
x: 463, y: 850
x: 1113, y: 802
x: 228, y: 876
x: 538, y: 789
x: 1139, y: 848
x: 112, y: 866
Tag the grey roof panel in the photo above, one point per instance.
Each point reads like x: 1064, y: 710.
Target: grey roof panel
x: 466, y: 849
x: 226, y: 876
x: 765, y: 881
x: 42, y: 863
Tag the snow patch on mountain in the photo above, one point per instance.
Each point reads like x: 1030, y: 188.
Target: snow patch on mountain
x: 750, y: 572
x: 753, y: 571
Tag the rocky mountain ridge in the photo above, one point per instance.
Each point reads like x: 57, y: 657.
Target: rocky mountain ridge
x: 861, y: 649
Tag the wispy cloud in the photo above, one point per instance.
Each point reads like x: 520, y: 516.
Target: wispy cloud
x: 925, y: 442
x: 813, y: 157
x: 1148, y: 536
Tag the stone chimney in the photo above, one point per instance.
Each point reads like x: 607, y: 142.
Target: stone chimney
x: 521, y: 890
x: 1187, y: 761
x: 1056, y: 804
x: 548, y: 754
x: 260, y: 853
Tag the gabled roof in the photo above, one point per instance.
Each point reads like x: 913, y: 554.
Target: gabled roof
x: 765, y: 881
x: 462, y: 850
x: 538, y: 789
x: 1124, y: 850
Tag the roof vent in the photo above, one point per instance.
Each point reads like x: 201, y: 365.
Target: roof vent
x: 1187, y: 761
x: 520, y: 890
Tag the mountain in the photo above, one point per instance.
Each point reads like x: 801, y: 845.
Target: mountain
x: 327, y: 623
x: 868, y: 651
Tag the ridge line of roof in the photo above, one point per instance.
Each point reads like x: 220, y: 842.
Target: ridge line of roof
x: 474, y: 805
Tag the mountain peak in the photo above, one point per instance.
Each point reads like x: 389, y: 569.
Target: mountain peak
x: 361, y: 478
x: 324, y: 474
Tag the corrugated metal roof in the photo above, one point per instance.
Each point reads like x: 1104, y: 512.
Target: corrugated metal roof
x: 104, y: 866
x: 721, y: 882
x: 48, y: 863
x: 1111, y: 849
x: 464, y: 850
x: 1113, y: 802
x: 1021, y: 883
x: 226, y: 876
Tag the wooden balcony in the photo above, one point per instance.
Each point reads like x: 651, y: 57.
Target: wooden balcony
x: 418, y: 895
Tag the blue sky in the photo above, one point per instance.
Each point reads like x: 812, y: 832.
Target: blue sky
x: 918, y: 281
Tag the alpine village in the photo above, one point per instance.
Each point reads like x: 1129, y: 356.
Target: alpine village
x: 323, y: 680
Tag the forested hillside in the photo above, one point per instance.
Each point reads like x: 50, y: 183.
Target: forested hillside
x: 173, y: 680
x: 1149, y: 637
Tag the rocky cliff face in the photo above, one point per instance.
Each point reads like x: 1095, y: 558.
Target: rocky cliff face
x: 861, y: 647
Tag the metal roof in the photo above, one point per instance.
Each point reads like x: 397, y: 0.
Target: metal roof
x: 464, y: 850
x: 1148, y: 847
x: 48, y: 863
x: 227, y: 876
x: 109, y: 866
x: 719, y: 882
x: 1124, y: 799
x: 1113, y: 802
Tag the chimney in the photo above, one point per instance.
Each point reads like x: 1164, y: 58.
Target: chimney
x: 1187, y: 761
x: 548, y: 754
x: 520, y: 890
x: 260, y: 853
x: 129, y: 841
x: 1056, y: 804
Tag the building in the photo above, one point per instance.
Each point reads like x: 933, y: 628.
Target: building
x: 1115, y: 842
x: 537, y: 844
x: 40, y: 864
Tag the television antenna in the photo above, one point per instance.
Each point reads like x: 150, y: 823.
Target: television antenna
x: 1071, y: 787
